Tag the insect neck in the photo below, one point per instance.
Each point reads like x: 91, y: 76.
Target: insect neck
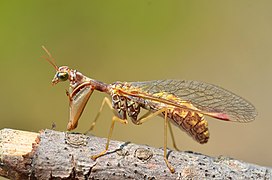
x: 99, y: 86
x: 77, y: 79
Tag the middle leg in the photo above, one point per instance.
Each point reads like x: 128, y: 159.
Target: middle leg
x: 114, y: 119
x: 106, y: 101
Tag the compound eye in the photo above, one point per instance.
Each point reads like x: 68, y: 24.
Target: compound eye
x: 63, y: 76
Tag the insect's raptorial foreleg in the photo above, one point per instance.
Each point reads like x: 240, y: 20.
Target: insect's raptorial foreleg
x: 114, y: 119
x: 106, y: 101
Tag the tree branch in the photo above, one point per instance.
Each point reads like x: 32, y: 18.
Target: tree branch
x: 53, y: 154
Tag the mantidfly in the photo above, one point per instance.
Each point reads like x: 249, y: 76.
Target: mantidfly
x: 181, y: 102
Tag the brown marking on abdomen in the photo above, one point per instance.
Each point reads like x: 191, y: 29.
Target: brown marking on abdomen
x: 193, y: 123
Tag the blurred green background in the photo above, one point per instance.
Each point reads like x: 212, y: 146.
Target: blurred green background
x: 227, y: 43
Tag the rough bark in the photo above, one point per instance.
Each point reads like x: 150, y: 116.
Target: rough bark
x: 58, y: 155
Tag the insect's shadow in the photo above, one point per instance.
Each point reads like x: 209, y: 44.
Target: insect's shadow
x: 168, y: 153
x: 122, y: 146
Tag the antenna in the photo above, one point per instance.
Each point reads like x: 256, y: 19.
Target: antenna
x: 50, y: 59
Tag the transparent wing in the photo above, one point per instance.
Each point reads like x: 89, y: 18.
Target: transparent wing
x: 209, y: 99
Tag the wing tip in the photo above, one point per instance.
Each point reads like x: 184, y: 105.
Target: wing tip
x: 220, y: 116
x: 226, y: 117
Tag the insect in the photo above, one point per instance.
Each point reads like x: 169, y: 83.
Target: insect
x: 181, y: 102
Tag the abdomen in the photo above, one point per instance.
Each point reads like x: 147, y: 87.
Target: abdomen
x: 192, y: 122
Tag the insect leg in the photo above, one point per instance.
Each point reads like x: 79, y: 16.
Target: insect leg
x: 150, y: 115
x: 165, y: 143
x: 114, y: 119
x: 139, y: 120
x: 172, y: 137
x: 106, y: 101
x: 146, y: 117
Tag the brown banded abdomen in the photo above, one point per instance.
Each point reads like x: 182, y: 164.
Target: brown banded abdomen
x: 193, y: 123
